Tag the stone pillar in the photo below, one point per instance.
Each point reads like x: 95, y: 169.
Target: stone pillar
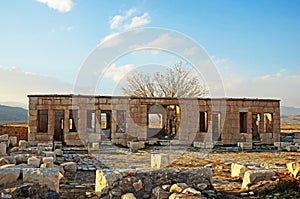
x: 2, y: 148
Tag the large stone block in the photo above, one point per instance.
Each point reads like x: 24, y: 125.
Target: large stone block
x: 294, y: 168
x: 69, y: 166
x: 254, y: 176
x: 33, y: 161
x: 48, y: 177
x: 136, y: 145
x: 2, y: 148
x: 48, y: 160
x: 159, y: 160
x: 22, y: 144
x: 9, y: 175
x: 238, y: 170
x: 4, y: 138
x: 13, y: 140
x: 50, y: 154
x: 105, y: 179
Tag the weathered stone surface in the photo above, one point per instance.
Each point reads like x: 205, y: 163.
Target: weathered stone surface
x: 159, y: 193
x: 48, y: 160
x: 192, y: 191
x: 45, y: 177
x: 178, y: 187
x: 2, y: 148
x: 294, y: 168
x: 22, y: 144
x: 9, y: 175
x: 58, y: 152
x: 109, y: 182
x: 138, y: 185
x: 4, y: 138
x: 21, y: 158
x: 238, y: 170
x: 14, y: 149
x: 245, y: 145
x: 105, y: 180
x: 50, y: 154
x: 7, y: 166
x: 291, y: 148
x: 69, y: 166
x: 9, y: 159
x: 203, y: 145
x: 13, y: 141
x: 136, y: 145
x: 159, y: 160
x: 33, y: 161
x: 128, y: 196
x: 254, y: 176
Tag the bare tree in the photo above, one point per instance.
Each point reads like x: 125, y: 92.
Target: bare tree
x: 177, y: 82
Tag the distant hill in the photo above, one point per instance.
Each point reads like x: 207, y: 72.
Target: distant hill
x: 10, y: 114
x: 287, y: 111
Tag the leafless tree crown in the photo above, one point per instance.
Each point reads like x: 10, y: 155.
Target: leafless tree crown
x: 175, y: 83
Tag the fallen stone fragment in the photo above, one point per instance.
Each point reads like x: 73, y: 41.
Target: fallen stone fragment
x: 13, y: 141
x: 4, y: 138
x: 254, y: 176
x: 69, y: 166
x: 294, y: 168
x: 3, y: 148
x: 158, y: 192
x: 128, y: 196
x: 33, y: 161
x: 138, y: 185
x: 190, y: 190
x: 238, y: 170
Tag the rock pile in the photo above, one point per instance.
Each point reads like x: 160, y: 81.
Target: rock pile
x: 158, y: 183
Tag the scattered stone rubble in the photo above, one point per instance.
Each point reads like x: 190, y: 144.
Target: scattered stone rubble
x: 154, y: 183
x: 26, y: 168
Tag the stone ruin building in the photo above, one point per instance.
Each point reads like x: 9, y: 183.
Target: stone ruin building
x: 80, y: 120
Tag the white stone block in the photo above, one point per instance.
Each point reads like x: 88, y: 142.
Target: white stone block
x: 4, y: 138
x: 13, y: 140
x: 22, y: 144
x: 33, y: 161
x: 159, y: 160
x: 2, y: 148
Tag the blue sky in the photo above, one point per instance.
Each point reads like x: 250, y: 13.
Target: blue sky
x: 254, y: 44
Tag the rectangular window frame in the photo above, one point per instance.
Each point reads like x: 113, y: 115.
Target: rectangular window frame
x: 73, y: 121
x: 91, y: 120
x: 121, y: 121
x: 203, y: 122
x: 243, y: 122
x: 155, y: 121
x: 268, y: 123
x: 42, y: 121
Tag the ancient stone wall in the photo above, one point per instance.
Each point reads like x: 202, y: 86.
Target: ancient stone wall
x: 227, y: 120
x: 19, y: 131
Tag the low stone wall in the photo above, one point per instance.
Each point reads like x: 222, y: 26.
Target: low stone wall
x: 20, y: 131
x: 143, y: 183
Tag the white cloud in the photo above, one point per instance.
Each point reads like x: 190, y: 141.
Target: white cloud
x: 18, y: 83
x: 278, y: 86
x: 131, y: 19
x: 59, y: 5
x: 117, y: 73
x: 110, y: 40
x: 116, y: 21
x: 138, y: 21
